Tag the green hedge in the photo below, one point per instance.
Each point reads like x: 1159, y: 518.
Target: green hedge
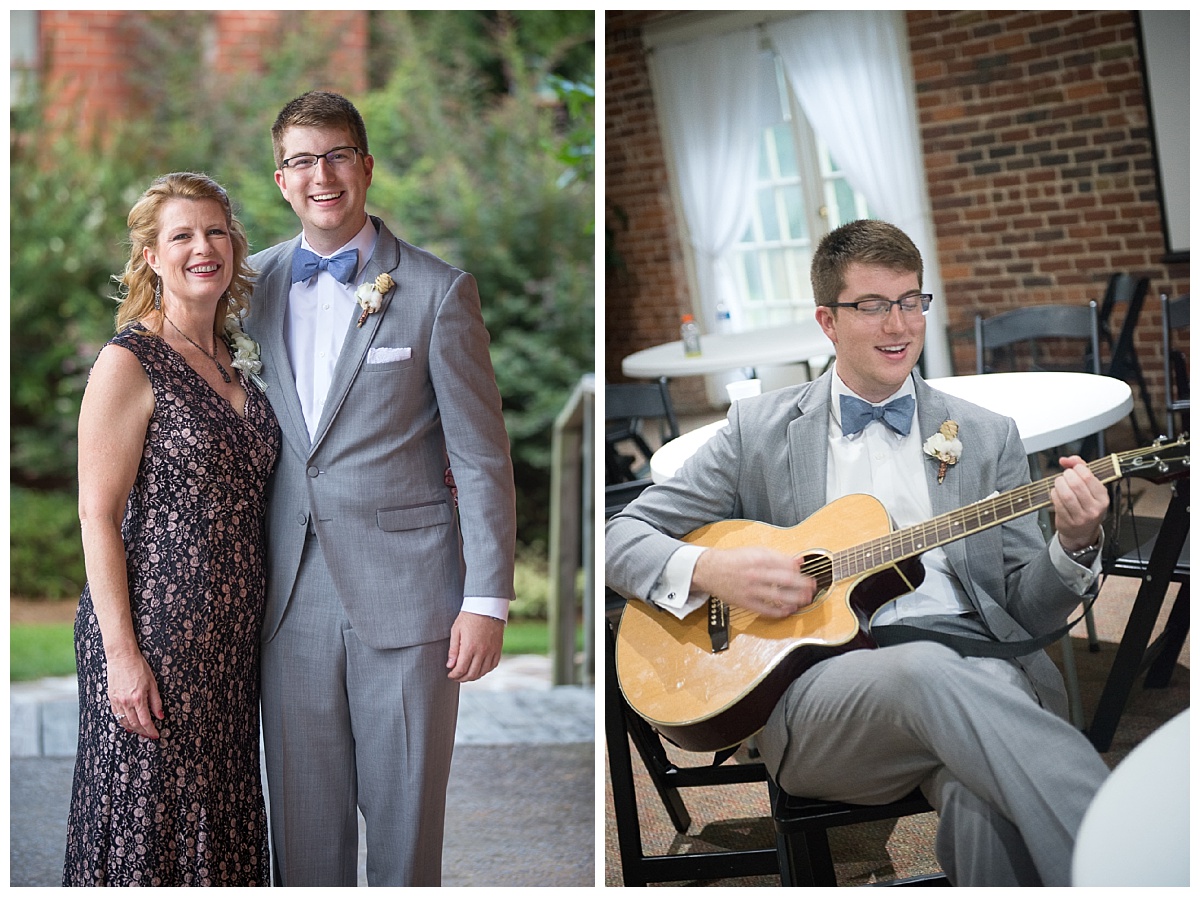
x: 47, y: 555
x: 45, y: 552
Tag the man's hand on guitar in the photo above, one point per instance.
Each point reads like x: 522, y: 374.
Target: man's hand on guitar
x: 758, y: 579
x: 1080, y: 503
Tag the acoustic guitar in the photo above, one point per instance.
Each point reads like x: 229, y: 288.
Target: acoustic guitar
x: 711, y: 680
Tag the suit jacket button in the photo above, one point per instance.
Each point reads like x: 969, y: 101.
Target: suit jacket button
x: 313, y: 471
x: 302, y: 519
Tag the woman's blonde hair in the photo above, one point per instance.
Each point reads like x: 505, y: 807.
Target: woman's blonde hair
x: 138, y: 280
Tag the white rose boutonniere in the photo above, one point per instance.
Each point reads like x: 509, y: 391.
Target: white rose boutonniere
x: 246, y: 355
x: 370, y: 296
x: 944, y: 447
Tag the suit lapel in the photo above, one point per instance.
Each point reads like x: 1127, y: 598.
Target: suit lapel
x: 808, y: 447
x: 946, y: 496
x: 274, y: 288
x: 385, y: 259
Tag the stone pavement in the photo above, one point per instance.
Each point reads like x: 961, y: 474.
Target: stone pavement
x: 521, y: 804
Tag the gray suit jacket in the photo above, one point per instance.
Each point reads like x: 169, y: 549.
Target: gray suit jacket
x: 371, y: 482
x: 769, y: 464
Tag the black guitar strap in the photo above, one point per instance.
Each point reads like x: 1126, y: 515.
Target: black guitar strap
x: 973, y: 647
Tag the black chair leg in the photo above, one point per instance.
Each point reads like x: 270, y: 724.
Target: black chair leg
x: 1158, y: 674
x: 1131, y: 653
x: 655, y: 759
x: 620, y: 764
x: 805, y: 860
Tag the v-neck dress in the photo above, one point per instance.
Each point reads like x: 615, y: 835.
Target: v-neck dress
x: 186, y: 809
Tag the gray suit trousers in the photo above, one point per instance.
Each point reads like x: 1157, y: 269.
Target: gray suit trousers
x: 348, y: 728
x: 1010, y: 780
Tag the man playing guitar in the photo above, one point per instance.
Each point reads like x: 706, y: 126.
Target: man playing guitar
x: 985, y: 737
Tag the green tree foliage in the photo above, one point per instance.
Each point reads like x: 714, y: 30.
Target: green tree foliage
x: 482, y: 127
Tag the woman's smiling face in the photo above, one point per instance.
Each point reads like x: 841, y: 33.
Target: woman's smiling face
x: 194, y: 251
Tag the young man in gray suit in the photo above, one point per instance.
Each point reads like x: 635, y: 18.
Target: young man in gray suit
x: 985, y: 738
x: 381, y: 596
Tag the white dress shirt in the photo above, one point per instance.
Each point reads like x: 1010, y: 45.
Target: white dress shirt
x: 318, y: 315
x: 880, y: 462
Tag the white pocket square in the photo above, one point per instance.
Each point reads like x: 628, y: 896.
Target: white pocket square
x: 383, y: 356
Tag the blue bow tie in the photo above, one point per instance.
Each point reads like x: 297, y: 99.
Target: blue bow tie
x: 305, y: 264
x: 897, y: 414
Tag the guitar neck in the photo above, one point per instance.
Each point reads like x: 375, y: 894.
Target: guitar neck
x: 958, y: 524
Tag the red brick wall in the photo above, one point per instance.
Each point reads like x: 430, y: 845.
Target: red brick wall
x: 1037, y: 154
x: 1038, y: 158
x: 646, y: 288
x: 87, y: 52
x: 84, y: 54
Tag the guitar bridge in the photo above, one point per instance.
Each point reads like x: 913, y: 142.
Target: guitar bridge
x: 718, y: 624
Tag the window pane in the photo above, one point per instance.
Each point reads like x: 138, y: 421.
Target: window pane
x: 785, y: 149
x: 764, y: 157
x: 770, y: 219
x: 748, y: 263
x: 797, y: 221
x: 845, y: 200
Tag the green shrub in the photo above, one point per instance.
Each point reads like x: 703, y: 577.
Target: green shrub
x: 45, y: 551
x: 532, y: 585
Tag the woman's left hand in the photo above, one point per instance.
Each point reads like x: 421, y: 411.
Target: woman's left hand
x: 133, y: 694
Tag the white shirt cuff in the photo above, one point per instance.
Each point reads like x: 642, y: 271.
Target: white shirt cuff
x: 496, y: 608
x: 673, y: 591
x: 1076, y: 576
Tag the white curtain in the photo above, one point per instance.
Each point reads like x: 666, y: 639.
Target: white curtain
x: 707, y: 92
x: 852, y: 75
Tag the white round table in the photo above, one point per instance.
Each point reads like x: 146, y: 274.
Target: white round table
x: 790, y: 344
x: 1136, y: 830
x: 1050, y: 408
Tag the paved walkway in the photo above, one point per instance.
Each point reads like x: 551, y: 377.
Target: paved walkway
x: 521, y: 802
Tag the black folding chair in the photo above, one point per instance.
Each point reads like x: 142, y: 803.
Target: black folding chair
x: 1123, y: 363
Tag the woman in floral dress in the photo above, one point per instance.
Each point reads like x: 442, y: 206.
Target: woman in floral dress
x: 176, y: 442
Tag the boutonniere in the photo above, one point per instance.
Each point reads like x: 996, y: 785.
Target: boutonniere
x: 370, y: 296
x: 245, y: 351
x: 945, y: 447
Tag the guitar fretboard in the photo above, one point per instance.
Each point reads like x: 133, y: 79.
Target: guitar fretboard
x: 959, y: 524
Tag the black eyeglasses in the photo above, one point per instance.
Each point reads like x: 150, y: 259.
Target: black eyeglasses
x: 338, y: 156
x: 877, y: 308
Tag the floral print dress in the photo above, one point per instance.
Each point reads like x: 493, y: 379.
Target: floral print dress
x: 186, y: 809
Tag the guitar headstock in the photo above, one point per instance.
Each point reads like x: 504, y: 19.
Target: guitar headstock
x: 1159, y: 462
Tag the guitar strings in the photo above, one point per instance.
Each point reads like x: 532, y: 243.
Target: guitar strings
x: 823, y: 566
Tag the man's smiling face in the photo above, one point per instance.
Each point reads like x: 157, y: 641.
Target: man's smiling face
x: 330, y: 201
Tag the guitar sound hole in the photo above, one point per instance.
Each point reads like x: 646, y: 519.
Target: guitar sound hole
x: 820, y: 568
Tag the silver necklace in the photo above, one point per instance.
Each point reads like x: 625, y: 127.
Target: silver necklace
x: 213, y: 354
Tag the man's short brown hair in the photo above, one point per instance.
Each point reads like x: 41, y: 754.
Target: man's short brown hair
x: 867, y: 242
x: 319, y: 109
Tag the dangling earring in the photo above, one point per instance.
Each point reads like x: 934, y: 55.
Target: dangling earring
x: 158, y: 295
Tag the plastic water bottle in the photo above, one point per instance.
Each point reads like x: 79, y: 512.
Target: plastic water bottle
x: 724, y: 320
x: 690, y: 334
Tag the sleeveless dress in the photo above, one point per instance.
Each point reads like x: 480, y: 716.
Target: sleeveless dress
x: 186, y: 809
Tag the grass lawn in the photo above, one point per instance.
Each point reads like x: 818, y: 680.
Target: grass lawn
x: 38, y: 650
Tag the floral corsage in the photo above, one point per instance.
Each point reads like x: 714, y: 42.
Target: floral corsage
x: 370, y: 296
x: 245, y: 352
x: 945, y: 447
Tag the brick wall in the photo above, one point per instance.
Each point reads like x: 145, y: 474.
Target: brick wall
x: 1038, y: 159
x: 86, y: 53
x: 646, y: 289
